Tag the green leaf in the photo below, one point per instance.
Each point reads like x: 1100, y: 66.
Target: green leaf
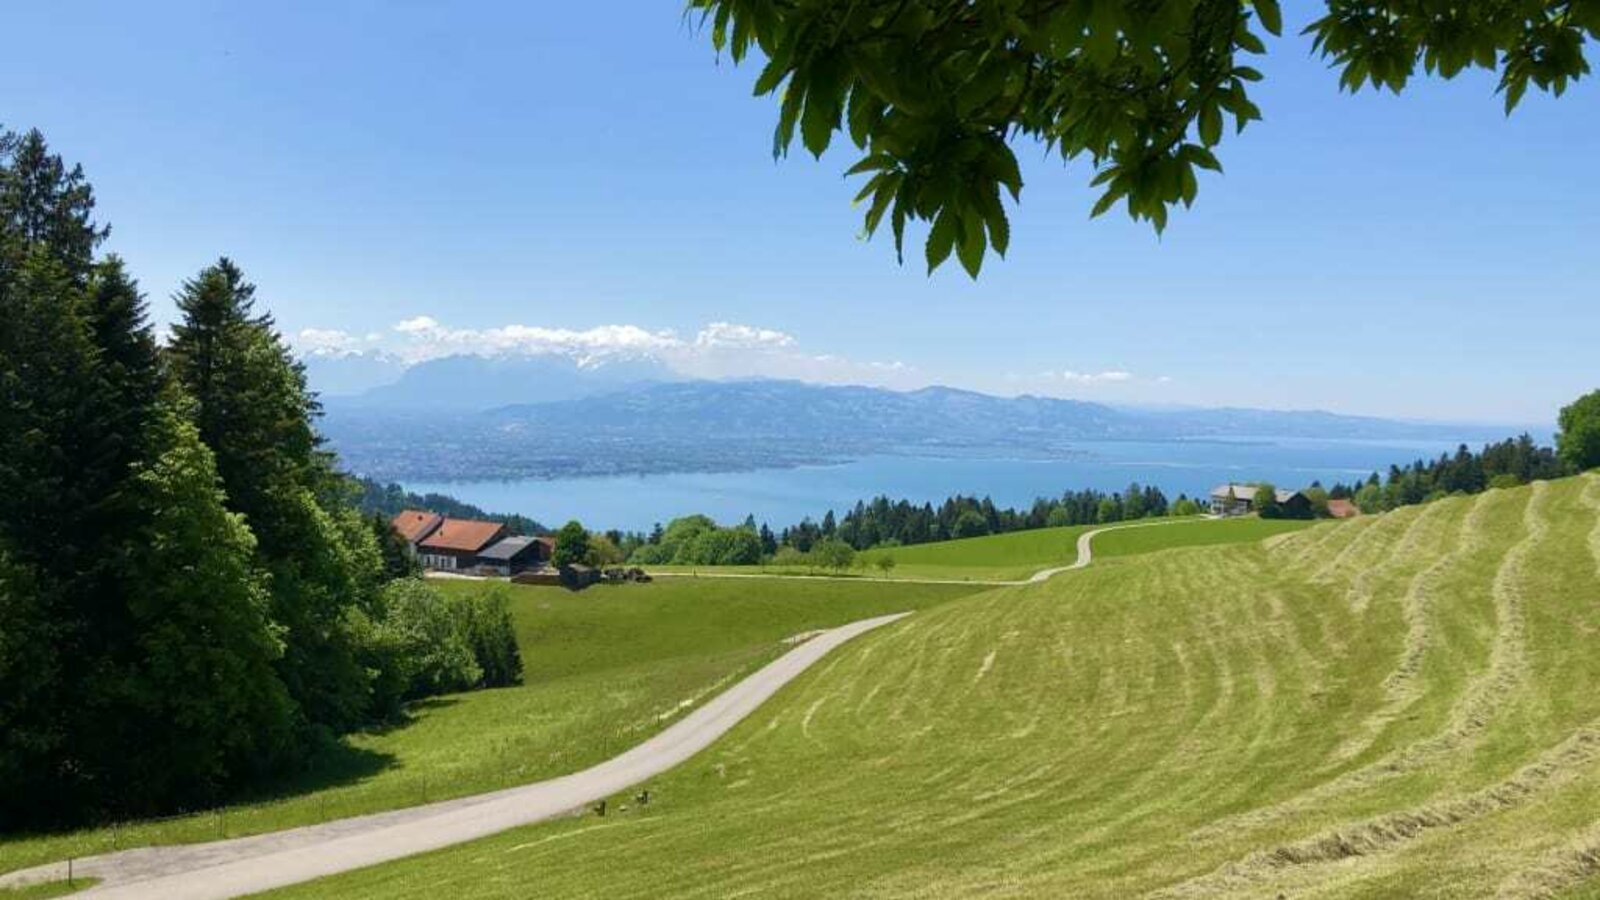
x: 869, y: 162
x: 994, y: 216
x: 1210, y: 124
x: 788, y: 114
x: 818, y: 121
x: 887, y: 190
x: 941, y: 238
x: 1271, y: 16
x: 771, y: 77
x: 971, y: 246
x: 1104, y: 204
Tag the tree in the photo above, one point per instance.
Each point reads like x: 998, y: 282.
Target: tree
x: 603, y: 551
x: 934, y: 92
x: 1109, y: 510
x: 572, y: 545
x: 1578, y: 441
x: 399, y: 561
x: 1266, y: 502
x: 1317, y: 495
x: 254, y: 411
x: 832, y: 553
x: 885, y: 563
x: 206, y: 644
x: 971, y: 523
x: 1185, y: 507
x: 1369, y: 498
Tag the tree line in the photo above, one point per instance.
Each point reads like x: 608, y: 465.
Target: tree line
x: 1508, y: 463
x: 190, y: 601
x: 882, y: 522
x: 389, y: 500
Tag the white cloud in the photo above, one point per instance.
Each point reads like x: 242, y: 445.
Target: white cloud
x: 717, y: 350
x: 425, y: 338
x: 1114, y: 376
x: 328, y: 342
x: 727, y: 334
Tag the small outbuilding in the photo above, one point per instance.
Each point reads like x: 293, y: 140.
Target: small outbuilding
x: 1340, y: 508
x: 514, y: 555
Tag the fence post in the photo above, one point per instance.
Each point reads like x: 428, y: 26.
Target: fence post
x: 69, y: 871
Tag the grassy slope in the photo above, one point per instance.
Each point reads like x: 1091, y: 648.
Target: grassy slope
x: 605, y: 669
x: 1404, y: 705
x: 995, y: 557
x: 1015, y: 556
x: 1192, y: 533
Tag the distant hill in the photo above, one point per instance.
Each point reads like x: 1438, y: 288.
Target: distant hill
x: 729, y: 425
x: 471, y: 383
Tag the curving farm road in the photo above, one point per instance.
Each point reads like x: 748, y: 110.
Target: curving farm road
x: 262, y: 862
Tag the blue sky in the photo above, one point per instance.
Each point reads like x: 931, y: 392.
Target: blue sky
x: 518, y: 174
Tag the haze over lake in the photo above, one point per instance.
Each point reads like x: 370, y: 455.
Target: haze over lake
x: 785, y: 496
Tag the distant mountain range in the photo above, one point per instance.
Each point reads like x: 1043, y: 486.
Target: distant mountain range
x: 470, y: 418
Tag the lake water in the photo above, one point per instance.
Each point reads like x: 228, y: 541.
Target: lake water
x: 784, y: 496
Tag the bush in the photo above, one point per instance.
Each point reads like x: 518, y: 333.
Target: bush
x: 790, y: 557
x: 419, y: 643
x: 490, y: 633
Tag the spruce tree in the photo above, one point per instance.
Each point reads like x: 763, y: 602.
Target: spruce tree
x: 254, y: 411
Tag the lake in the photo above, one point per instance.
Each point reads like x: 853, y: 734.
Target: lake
x: 784, y: 496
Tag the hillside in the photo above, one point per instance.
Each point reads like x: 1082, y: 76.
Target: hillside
x: 1403, y: 705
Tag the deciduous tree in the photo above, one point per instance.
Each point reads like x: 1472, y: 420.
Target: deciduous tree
x: 934, y: 93
x: 1578, y: 441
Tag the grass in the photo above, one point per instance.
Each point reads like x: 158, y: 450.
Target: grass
x: 48, y: 889
x: 1016, y: 555
x: 605, y: 669
x: 1193, y: 533
x: 1400, y: 705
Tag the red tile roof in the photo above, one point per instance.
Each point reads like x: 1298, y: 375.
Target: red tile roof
x: 463, y: 534
x: 415, y: 524
x: 1342, y: 509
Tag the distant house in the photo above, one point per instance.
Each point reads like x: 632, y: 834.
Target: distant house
x: 515, y: 555
x: 1342, y: 509
x: 1240, y: 499
x: 414, y: 525
x: 456, y: 544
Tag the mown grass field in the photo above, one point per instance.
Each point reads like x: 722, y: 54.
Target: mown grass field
x: 1019, y: 554
x: 995, y: 557
x: 605, y: 669
x: 1397, y: 706
x: 1191, y: 533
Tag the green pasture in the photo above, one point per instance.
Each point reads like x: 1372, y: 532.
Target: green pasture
x: 605, y: 668
x: 1405, y: 705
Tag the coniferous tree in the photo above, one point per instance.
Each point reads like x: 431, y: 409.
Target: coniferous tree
x: 253, y: 410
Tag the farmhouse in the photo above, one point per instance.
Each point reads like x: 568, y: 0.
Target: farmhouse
x: 416, y: 524
x: 1240, y: 499
x: 448, y: 544
x: 470, y: 545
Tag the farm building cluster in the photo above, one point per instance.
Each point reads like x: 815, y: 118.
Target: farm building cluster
x: 470, y: 546
x: 1240, y: 500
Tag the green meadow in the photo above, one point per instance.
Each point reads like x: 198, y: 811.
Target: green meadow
x: 1017, y: 555
x: 1405, y: 705
x: 604, y: 669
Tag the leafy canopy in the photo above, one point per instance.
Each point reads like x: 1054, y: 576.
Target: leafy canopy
x: 1578, y: 441
x: 934, y: 92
